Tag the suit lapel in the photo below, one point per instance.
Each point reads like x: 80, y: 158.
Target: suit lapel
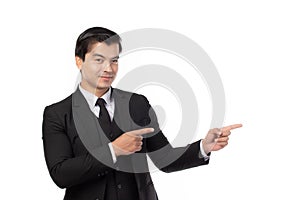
x: 122, y: 114
x: 86, y: 123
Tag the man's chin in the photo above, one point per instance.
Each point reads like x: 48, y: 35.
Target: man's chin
x: 103, y: 86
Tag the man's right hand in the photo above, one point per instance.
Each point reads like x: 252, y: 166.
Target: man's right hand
x: 130, y: 142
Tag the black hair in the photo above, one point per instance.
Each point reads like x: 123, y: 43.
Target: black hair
x: 93, y: 35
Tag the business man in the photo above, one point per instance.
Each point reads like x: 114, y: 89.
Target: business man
x: 90, y: 142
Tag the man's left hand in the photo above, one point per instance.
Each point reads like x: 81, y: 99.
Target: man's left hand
x: 217, y: 139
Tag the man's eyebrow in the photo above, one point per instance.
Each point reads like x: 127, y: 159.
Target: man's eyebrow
x: 99, y: 55
x: 96, y: 54
x: 116, y: 57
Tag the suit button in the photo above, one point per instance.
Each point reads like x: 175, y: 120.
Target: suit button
x: 111, y: 135
x: 98, y: 174
x: 106, y: 172
x: 119, y: 186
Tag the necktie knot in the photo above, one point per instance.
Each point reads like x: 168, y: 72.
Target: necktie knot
x: 103, y: 111
x: 100, y: 102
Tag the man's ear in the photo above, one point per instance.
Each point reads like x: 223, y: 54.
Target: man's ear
x: 78, y: 62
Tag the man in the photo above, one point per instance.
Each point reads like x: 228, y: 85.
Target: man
x: 110, y: 162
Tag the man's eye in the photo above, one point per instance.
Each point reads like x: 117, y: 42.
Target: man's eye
x: 115, y: 61
x: 99, y: 60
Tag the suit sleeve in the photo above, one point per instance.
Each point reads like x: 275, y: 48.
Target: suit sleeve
x: 161, y: 152
x: 65, y: 169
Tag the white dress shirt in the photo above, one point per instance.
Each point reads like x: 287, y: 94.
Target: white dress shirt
x: 110, y: 106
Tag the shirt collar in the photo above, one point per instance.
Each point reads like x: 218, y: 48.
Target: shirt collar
x: 92, y: 98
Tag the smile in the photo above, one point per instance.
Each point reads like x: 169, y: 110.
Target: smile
x: 106, y: 77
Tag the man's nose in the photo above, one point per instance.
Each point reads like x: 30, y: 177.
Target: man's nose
x: 107, y: 66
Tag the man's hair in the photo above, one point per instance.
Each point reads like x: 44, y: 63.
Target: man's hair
x: 91, y: 36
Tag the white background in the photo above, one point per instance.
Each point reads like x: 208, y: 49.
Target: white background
x: 255, y: 46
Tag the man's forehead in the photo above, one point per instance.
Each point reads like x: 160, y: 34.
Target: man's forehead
x: 101, y: 47
x: 103, y: 50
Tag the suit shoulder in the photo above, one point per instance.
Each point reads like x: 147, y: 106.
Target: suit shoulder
x: 122, y: 92
x: 61, y: 105
x: 130, y: 95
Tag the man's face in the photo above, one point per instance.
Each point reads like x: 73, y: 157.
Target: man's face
x: 100, y: 67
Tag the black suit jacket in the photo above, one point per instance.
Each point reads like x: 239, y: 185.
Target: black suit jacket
x: 73, y: 161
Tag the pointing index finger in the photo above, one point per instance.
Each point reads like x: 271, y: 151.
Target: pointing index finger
x: 231, y: 127
x: 142, y: 131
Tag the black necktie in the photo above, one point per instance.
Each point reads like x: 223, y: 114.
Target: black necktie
x: 104, y: 118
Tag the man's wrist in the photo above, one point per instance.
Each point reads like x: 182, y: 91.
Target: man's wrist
x: 112, y: 151
x: 202, y: 151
